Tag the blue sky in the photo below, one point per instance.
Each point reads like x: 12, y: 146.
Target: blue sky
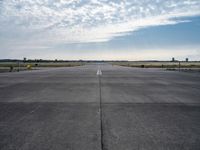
x: 100, y: 29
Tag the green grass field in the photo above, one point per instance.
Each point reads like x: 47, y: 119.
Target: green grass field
x: 6, y: 66
x: 159, y: 64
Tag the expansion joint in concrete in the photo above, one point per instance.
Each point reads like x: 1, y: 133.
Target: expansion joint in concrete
x: 101, y: 115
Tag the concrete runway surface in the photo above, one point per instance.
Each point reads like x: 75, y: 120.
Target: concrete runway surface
x: 100, y: 107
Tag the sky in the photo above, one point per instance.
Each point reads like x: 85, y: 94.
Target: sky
x: 100, y: 29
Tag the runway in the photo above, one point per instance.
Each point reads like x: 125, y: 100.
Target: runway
x: 100, y: 107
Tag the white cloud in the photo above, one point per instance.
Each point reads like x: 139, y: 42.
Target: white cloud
x: 77, y: 21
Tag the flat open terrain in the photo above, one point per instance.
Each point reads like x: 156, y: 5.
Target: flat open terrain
x: 184, y: 66
x: 123, y: 109
x: 34, y: 65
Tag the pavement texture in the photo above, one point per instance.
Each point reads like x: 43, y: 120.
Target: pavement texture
x: 100, y: 107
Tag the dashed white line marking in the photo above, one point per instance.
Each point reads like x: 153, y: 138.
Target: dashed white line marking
x: 99, y: 72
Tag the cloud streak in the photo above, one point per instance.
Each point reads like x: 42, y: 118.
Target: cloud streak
x: 79, y: 21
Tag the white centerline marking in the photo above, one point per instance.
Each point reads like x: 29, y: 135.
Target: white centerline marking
x: 99, y: 72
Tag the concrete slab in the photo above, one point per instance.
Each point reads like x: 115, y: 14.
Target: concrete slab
x: 49, y: 126
x: 150, y: 109
x: 151, y: 127
x: 59, y: 108
x: 133, y: 85
x: 55, y: 85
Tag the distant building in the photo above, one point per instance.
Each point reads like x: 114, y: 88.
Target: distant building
x: 173, y: 59
x: 186, y: 59
x: 24, y: 59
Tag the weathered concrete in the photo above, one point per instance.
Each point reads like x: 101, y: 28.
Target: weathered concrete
x: 58, y: 109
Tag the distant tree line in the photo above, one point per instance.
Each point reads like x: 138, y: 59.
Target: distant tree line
x: 87, y: 61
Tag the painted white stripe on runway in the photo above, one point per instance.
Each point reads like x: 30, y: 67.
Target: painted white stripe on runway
x: 99, y: 73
